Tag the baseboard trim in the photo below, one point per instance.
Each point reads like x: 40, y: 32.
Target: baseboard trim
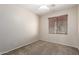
x: 63, y: 44
x: 33, y: 42
x: 1, y: 53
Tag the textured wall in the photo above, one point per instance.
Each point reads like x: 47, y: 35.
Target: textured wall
x: 71, y: 39
x: 18, y: 27
x: 78, y: 22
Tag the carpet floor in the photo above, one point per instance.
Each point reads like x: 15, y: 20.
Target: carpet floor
x: 44, y: 48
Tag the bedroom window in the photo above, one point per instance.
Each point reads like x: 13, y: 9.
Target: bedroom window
x: 58, y: 25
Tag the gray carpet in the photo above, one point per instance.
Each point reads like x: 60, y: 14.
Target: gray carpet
x: 44, y: 48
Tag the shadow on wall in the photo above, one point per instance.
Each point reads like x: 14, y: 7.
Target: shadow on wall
x: 16, y: 27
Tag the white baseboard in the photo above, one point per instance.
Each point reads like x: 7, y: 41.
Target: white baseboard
x: 30, y: 43
x: 63, y: 44
x: 18, y: 47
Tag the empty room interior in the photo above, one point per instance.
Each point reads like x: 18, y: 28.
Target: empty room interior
x: 39, y: 29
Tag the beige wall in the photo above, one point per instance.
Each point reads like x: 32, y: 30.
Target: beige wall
x: 18, y: 27
x: 78, y: 23
x: 78, y: 18
x: 71, y: 39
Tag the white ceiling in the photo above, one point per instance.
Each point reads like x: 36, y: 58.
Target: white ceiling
x: 52, y: 7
